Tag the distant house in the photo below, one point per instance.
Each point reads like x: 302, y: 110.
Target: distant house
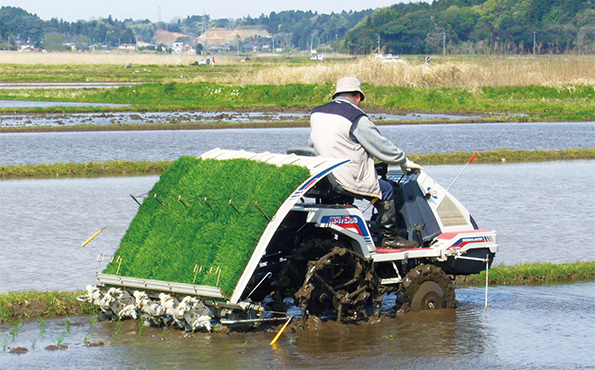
x: 127, y: 47
x: 181, y: 48
x: 27, y: 47
x: 177, y: 48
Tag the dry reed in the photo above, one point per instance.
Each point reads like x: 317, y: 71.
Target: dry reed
x: 476, y: 72
x: 409, y: 71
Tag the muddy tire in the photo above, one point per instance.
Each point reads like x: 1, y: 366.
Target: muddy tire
x: 293, y: 271
x: 427, y: 287
x: 340, y: 284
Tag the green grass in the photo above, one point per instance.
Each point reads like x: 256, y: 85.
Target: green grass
x: 32, y: 304
x: 536, y: 273
x: 128, y: 168
x: 104, y: 72
x: 172, y: 234
x: 87, y: 169
x: 503, y: 155
x: 541, y: 103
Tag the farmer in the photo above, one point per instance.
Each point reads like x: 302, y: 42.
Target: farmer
x: 340, y: 129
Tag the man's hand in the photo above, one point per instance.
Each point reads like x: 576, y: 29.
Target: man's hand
x: 409, y: 164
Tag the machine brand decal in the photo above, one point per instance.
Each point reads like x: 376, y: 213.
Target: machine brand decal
x: 433, y: 193
x: 343, y: 220
x: 352, y: 223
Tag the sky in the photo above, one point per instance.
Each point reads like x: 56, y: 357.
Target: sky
x: 156, y: 10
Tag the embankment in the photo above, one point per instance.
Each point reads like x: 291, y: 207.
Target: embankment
x: 141, y: 168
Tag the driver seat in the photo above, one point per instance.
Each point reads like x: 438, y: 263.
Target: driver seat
x: 327, y: 191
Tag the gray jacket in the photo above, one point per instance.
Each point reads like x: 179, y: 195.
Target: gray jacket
x: 342, y: 130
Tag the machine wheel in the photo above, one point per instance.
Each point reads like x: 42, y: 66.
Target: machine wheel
x: 340, y: 283
x: 427, y: 287
x: 293, y: 270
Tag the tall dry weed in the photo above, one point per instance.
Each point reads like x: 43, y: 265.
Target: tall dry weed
x: 477, y: 72
x: 410, y: 71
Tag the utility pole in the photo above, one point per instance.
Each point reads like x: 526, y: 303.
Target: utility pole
x: 533, y: 42
x: 378, y: 43
x: 443, y: 43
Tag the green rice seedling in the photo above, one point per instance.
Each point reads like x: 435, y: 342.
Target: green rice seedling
x: 41, y: 325
x: 60, y: 339
x: 93, y: 321
x: 118, y: 327
x: 141, y: 326
x: 15, y: 329
x: 202, y: 213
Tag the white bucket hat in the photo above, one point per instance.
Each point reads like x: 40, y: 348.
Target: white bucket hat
x: 349, y: 84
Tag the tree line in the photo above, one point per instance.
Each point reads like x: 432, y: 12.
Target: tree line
x: 478, y: 26
x: 18, y: 27
x: 443, y: 26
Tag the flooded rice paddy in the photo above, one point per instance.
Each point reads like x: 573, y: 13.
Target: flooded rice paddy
x: 541, y: 211
x: 52, y: 147
x: 524, y: 328
x: 536, y: 208
x: 9, y: 120
x: 74, y: 119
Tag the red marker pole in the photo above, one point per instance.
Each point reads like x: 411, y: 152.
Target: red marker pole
x: 460, y: 173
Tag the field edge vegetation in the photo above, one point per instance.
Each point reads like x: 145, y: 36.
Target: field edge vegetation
x: 534, y: 273
x: 144, y: 168
x: 572, y: 101
x: 27, y: 305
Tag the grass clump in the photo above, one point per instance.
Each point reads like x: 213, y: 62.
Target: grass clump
x: 536, y: 273
x: 504, y: 155
x: 32, y: 304
x: 207, y: 213
x: 87, y: 169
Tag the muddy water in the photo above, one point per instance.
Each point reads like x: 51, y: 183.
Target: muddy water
x: 31, y: 148
x: 51, y: 119
x: 11, y: 120
x: 524, y: 328
x: 540, y: 211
